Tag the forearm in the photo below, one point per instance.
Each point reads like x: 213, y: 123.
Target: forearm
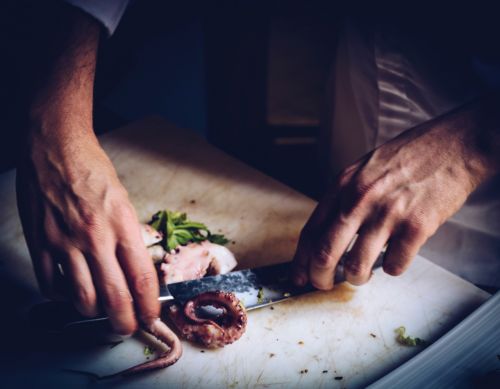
x: 60, y: 104
x: 470, y: 135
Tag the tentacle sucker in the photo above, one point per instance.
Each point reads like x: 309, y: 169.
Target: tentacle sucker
x: 225, y: 329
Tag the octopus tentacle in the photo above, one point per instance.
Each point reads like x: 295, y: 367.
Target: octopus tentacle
x: 162, y: 332
x: 225, y: 329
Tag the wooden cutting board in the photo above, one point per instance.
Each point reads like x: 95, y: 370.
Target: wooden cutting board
x: 342, y: 338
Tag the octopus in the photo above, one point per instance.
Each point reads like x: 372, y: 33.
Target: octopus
x: 185, y: 263
x: 163, y: 333
x: 195, y: 261
x: 211, y: 333
x: 189, y: 262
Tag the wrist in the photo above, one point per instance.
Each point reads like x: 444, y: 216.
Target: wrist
x: 470, y: 140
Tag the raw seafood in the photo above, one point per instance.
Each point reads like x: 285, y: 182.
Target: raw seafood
x: 195, y: 261
x: 224, y: 329
x: 150, y: 236
x: 161, y: 331
x: 186, y: 262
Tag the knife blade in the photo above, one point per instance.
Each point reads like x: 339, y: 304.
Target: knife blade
x: 255, y: 288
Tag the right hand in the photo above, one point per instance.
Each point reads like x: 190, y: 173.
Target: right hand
x: 76, y: 213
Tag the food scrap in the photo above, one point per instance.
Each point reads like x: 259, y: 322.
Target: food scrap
x: 148, y: 351
x: 260, y: 296
x: 301, y: 342
x: 407, y: 340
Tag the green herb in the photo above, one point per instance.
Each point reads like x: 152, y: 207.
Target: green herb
x: 148, y: 350
x: 218, y: 239
x: 178, y: 230
x: 407, y: 340
x: 260, y: 296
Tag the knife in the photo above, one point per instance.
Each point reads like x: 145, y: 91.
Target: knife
x: 255, y: 288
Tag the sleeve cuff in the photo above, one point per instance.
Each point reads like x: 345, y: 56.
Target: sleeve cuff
x: 107, y: 12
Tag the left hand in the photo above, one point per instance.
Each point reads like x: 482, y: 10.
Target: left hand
x: 399, y: 195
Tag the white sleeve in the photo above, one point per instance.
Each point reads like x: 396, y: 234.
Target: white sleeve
x: 108, y: 12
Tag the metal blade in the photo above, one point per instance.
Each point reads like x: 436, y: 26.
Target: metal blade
x: 255, y: 288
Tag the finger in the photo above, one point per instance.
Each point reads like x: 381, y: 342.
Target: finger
x: 367, y: 248
x: 328, y: 202
x: 46, y: 272
x: 316, y: 223
x: 141, y: 276
x: 299, y: 269
x: 330, y: 248
x: 403, y: 246
x: 30, y: 213
x: 112, y: 290
x: 81, y: 285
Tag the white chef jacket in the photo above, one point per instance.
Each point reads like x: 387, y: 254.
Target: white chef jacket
x: 107, y: 12
x: 383, y: 85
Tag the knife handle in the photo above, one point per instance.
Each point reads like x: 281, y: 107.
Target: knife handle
x: 58, y: 316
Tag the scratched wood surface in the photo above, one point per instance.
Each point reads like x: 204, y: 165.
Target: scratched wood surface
x: 343, y: 338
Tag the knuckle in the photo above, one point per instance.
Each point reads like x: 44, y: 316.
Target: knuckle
x: 386, y: 211
x: 53, y: 240
x: 118, y: 301
x: 357, y: 268
x: 323, y: 259
x: 89, y: 218
x: 398, y: 207
x: 414, y: 229
x: 85, y: 300
x: 358, y: 196
x: 144, y: 283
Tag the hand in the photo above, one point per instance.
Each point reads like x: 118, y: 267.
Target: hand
x: 76, y: 213
x: 399, y: 195
x: 74, y: 210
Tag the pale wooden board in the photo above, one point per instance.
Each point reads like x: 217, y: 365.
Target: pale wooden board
x: 165, y: 167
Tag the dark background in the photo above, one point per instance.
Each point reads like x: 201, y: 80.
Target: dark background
x: 249, y: 76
